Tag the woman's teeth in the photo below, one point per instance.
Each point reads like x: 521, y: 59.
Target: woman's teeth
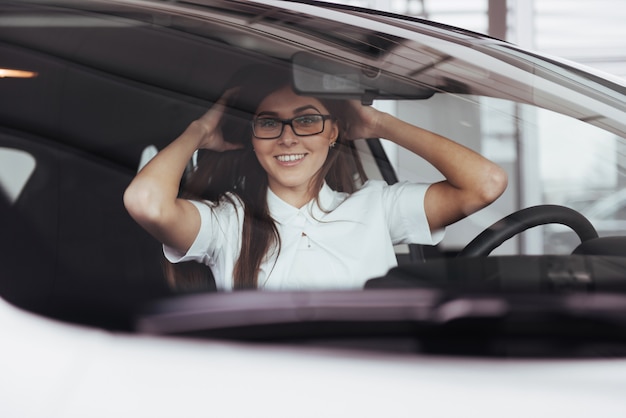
x: 290, y: 157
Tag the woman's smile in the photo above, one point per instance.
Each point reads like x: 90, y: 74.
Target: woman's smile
x: 290, y: 159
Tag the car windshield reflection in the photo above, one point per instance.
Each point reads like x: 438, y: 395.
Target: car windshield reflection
x: 239, y: 166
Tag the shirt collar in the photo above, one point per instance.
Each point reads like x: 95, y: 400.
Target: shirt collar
x: 282, y: 212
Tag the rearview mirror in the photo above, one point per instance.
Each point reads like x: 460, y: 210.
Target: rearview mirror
x: 316, y: 75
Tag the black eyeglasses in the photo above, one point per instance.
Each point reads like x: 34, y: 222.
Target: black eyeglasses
x: 305, y: 125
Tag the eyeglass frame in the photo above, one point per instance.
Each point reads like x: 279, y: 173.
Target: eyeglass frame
x: 290, y: 123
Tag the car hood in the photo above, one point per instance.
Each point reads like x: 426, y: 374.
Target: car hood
x: 83, y: 372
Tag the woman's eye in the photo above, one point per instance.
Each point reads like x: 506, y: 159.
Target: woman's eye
x: 267, y: 123
x: 307, y: 120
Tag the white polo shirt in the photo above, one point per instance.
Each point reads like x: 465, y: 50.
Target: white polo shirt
x: 339, y: 244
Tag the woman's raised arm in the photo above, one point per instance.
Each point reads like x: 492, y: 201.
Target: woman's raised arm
x: 152, y: 197
x: 472, y: 181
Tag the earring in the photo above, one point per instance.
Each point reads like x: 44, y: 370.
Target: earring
x: 332, y: 144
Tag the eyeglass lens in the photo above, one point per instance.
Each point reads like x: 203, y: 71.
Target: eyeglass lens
x: 305, y: 125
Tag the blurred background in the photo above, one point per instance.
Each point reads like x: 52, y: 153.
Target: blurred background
x: 588, y: 32
x: 592, y: 33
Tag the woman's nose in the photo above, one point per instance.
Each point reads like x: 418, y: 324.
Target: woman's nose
x: 288, y: 137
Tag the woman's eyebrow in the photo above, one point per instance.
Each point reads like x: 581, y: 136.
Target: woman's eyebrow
x: 295, y: 111
x: 307, y: 107
x: 266, y: 113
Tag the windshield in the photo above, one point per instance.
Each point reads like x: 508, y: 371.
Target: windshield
x: 319, y: 154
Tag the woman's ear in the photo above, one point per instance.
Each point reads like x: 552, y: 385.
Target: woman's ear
x: 334, y: 134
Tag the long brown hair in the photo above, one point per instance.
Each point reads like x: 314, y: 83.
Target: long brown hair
x: 220, y: 176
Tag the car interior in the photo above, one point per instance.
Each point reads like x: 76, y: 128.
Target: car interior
x: 109, y: 86
x: 113, y: 83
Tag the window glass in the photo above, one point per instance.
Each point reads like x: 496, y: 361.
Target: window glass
x: 113, y: 87
x: 550, y: 159
x: 16, y: 167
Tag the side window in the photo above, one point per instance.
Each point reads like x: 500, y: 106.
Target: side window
x: 16, y: 167
x: 524, y: 139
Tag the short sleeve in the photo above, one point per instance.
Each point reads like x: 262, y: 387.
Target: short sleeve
x: 218, y: 229
x: 404, y: 207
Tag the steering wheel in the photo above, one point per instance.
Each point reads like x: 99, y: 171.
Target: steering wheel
x: 517, y: 222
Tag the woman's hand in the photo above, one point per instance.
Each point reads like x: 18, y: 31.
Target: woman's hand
x: 366, y: 122
x: 209, y: 126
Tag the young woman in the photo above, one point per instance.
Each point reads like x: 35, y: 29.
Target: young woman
x: 275, y: 206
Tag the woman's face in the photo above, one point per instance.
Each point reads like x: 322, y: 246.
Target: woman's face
x: 292, y: 161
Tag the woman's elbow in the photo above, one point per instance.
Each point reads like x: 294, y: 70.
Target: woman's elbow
x: 493, y: 185
x: 143, y: 204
